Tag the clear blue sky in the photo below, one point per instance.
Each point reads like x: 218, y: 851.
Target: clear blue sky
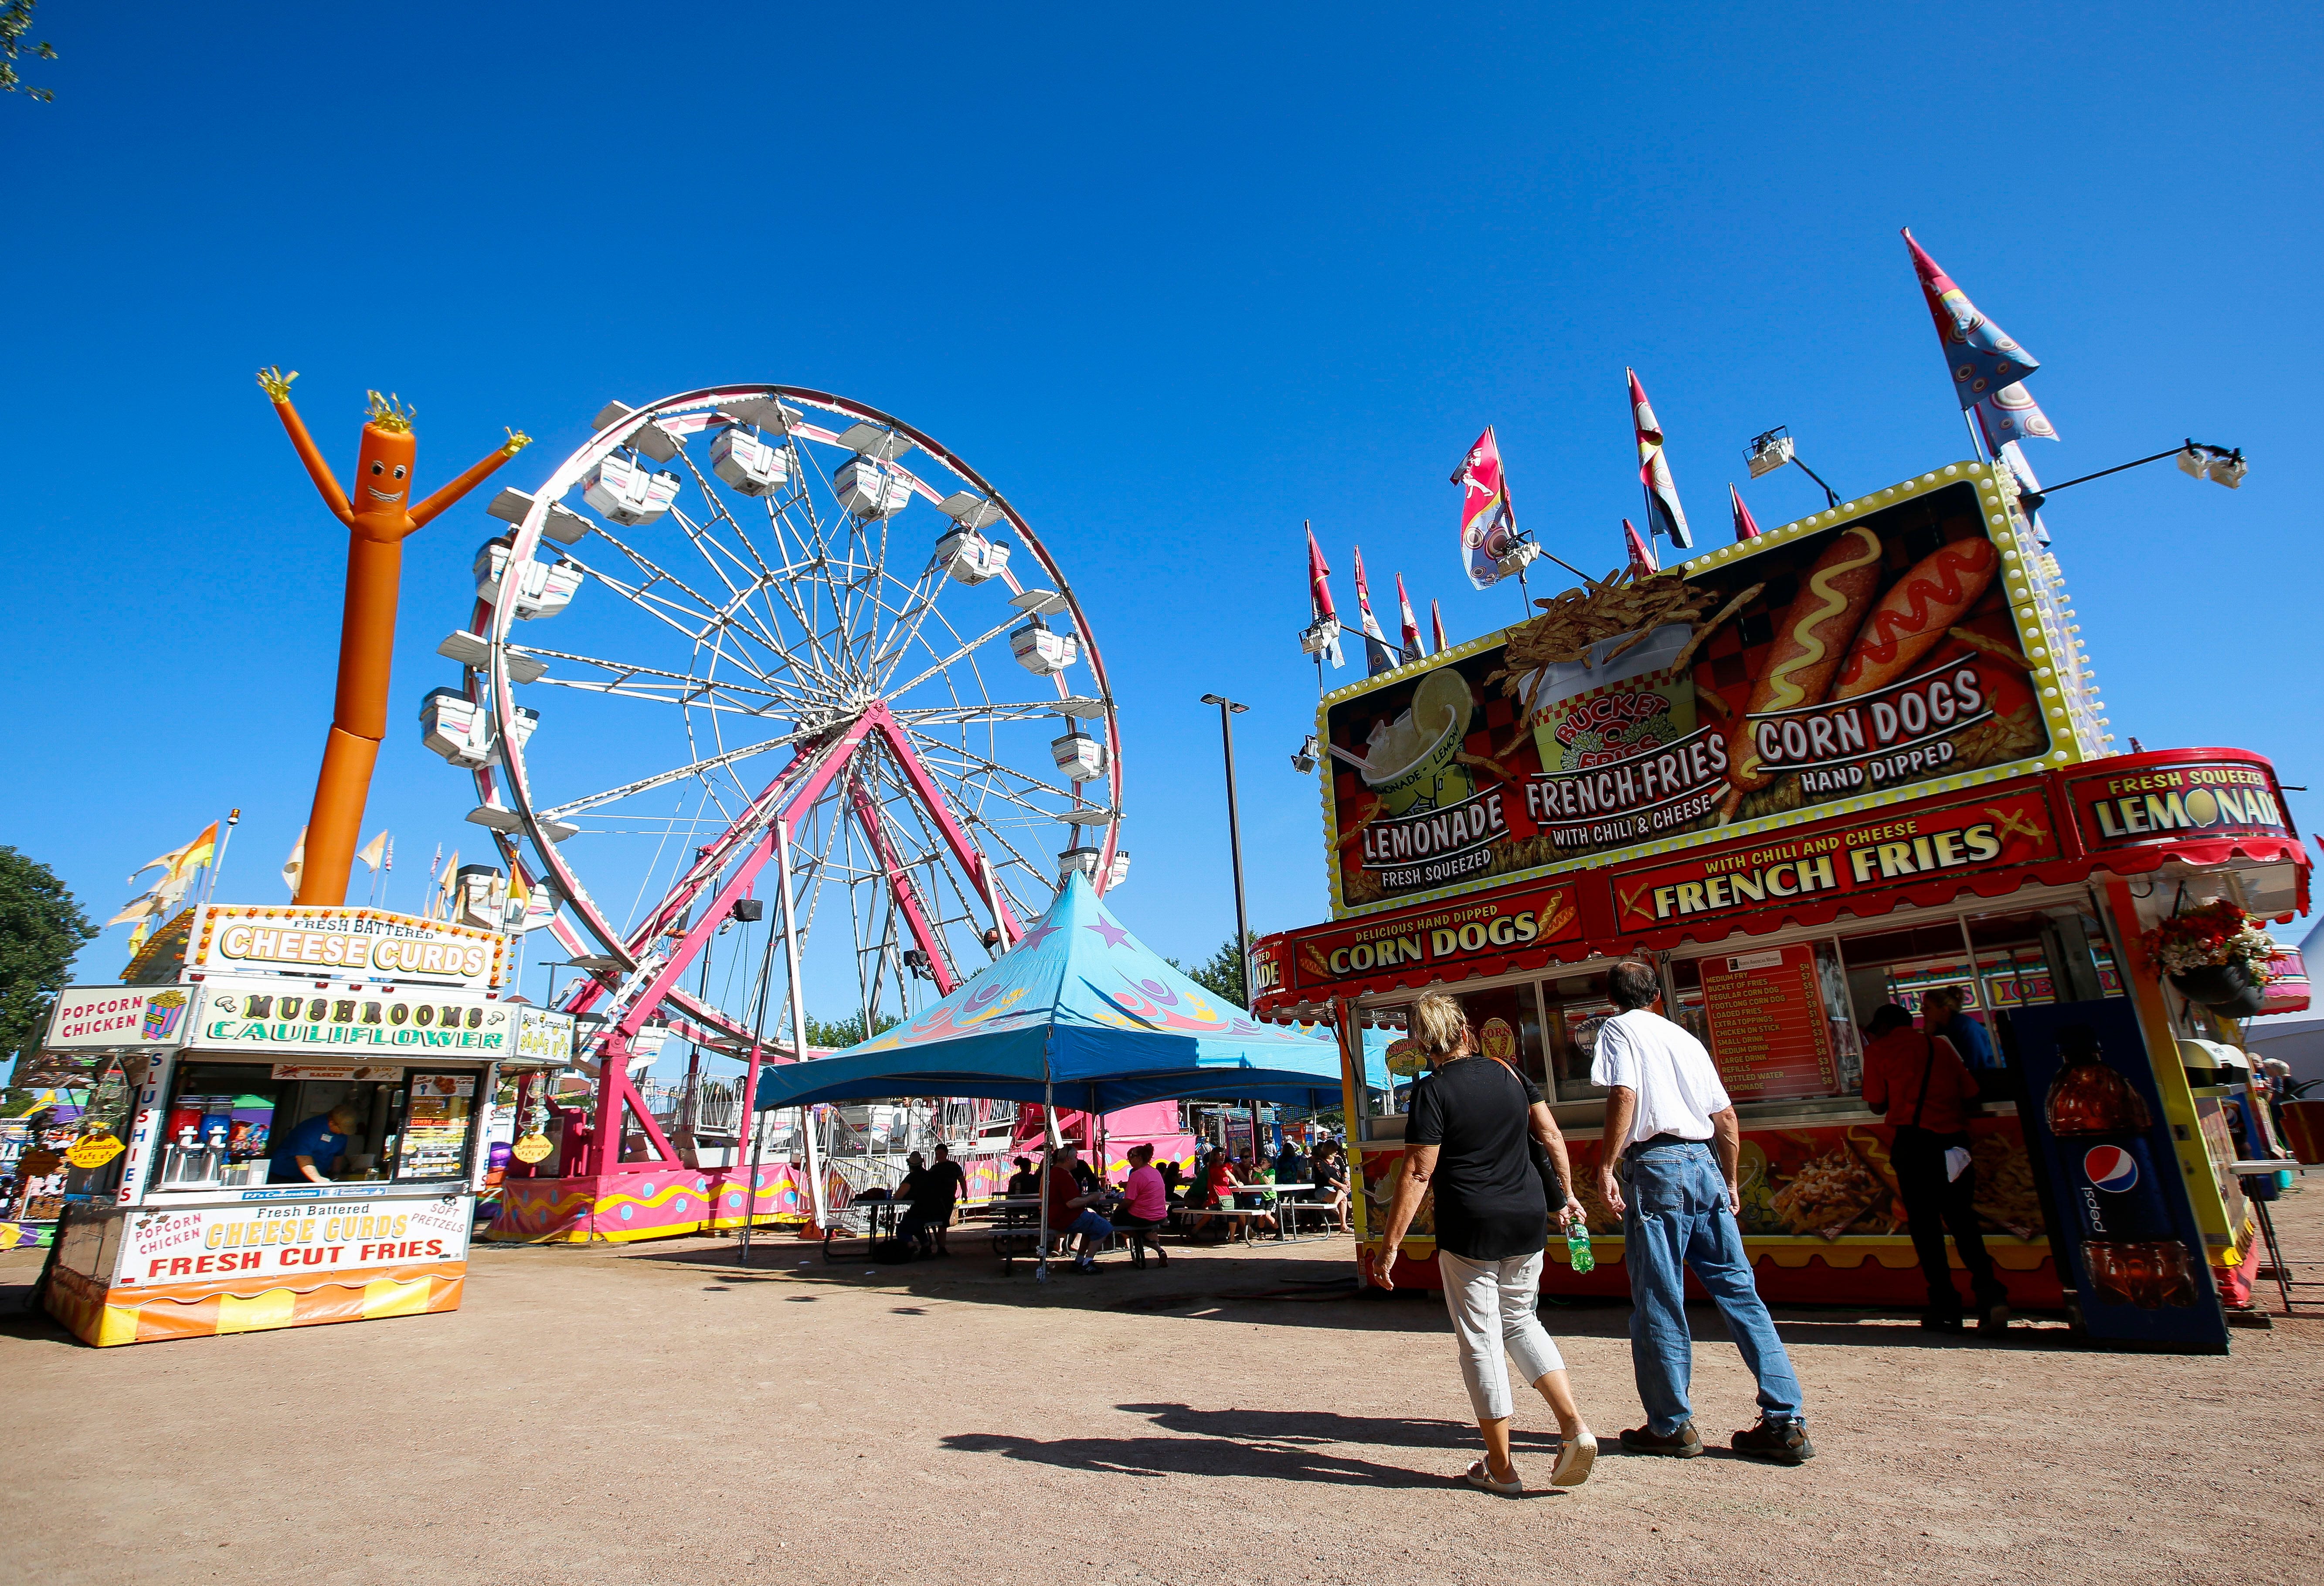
x: 1174, y: 283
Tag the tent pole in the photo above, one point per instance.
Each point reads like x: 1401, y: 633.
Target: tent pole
x: 1048, y: 1154
x: 799, y: 1009
x: 750, y: 1099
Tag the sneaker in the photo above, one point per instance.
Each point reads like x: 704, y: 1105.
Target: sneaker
x: 1781, y: 1440
x: 1683, y: 1444
x: 1994, y: 1318
x: 1941, y: 1321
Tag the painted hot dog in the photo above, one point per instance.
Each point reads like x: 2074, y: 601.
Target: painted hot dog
x: 1912, y: 616
x: 1811, y: 642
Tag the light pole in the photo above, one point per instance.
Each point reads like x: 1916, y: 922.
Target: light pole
x: 1228, y: 711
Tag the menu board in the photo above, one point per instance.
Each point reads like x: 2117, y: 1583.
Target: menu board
x: 1768, y: 1031
x: 435, y: 1140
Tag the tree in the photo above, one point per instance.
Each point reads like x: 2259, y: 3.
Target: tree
x: 15, y: 22
x: 1221, y: 973
x: 845, y: 1032
x: 41, y: 930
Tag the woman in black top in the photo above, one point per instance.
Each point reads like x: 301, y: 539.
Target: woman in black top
x: 1466, y: 1139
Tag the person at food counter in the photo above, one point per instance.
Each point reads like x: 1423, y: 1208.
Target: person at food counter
x: 1917, y: 1081
x: 312, y: 1152
x: 1941, y: 1015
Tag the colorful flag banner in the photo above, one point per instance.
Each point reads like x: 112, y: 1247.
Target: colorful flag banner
x: 1319, y: 598
x: 1985, y: 364
x: 1413, y: 649
x: 1436, y: 626
x: 296, y: 865
x: 178, y: 868
x: 1642, y: 554
x: 1746, y: 526
x: 1664, y: 516
x: 1377, y: 657
x: 440, y: 906
x: 1489, y: 522
x: 138, y: 908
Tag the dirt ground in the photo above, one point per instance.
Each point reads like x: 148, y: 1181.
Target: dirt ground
x: 656, y: 1414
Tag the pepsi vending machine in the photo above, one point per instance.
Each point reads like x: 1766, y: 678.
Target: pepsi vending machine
x: 2122, y: 1229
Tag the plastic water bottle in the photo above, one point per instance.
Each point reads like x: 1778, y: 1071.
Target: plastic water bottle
x: 1578, y: 1255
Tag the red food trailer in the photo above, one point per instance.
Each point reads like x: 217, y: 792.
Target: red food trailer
x: 1849, y: 763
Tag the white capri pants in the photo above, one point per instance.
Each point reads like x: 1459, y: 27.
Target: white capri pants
x: 1492, y: 1307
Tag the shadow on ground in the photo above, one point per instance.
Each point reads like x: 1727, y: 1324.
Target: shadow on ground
x: 1284, y: 1445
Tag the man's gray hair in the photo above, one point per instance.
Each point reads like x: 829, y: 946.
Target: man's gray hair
x: 1633, y: 983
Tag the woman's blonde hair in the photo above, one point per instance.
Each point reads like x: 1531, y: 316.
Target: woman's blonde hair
x: 1439, y: 1027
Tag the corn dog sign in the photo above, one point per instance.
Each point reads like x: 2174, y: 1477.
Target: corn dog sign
x: 1905, y: 644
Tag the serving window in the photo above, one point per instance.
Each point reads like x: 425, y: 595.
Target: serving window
x: 2023, y: 958
x: 234, y: 1125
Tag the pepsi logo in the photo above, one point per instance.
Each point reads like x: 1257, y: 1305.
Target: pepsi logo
x: 2109, y: 1168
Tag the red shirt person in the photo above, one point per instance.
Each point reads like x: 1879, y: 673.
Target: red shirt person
x: 1920, y: 1083
x: 1895, y: 1064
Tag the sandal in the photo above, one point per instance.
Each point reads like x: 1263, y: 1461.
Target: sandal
x: 1574, y: 1461
x: 1478, y: 1477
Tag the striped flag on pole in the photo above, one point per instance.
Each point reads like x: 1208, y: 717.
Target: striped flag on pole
x: 1666, y: 519
x: 1377, y: 657
x: 1413, y: 649
x: 1985, y: 364
x: 1436, y: 625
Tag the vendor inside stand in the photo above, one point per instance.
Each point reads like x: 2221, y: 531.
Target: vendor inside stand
x: 247, y: 1123
x: 318, y: 1147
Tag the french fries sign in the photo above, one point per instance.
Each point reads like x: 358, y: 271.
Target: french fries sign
x: 1893, y: 648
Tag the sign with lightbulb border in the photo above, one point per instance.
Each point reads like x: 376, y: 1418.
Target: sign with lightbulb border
x: 2001, y: 693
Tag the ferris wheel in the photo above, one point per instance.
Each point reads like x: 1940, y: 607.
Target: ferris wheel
x: 758, y: 621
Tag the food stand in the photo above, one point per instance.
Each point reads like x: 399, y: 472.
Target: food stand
x: 1846, y: 762
x: 187, y: 1224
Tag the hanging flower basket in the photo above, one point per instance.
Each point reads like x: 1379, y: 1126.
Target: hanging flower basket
x: 2214, y: 955
x: 2225, y: 989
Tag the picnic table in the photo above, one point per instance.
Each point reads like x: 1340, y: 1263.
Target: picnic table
x: 863, y: 1221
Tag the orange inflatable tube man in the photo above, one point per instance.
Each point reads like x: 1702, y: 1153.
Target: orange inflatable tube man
x: 378, y: 519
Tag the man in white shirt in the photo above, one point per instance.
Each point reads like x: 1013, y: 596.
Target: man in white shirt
x: 1667, y: 1168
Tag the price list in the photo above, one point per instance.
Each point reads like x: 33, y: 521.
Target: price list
x: 1768, y: 1031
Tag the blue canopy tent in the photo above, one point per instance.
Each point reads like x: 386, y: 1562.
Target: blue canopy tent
x: 1077, y: 1014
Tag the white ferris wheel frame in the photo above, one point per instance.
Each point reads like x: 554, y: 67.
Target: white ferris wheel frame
x: 638, y: 974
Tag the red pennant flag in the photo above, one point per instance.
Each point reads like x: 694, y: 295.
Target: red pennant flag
x: 1436, y: 622
x: 1411, y: 630
x: 1642, y: 555
x: 1744, y: 528
x: 1487, y: 519
x: 1319, y: 585
x: 1326, y: 618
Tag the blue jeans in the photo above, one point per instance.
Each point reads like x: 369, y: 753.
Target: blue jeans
x: 1092, y: 1223
x: 1676, y: 1218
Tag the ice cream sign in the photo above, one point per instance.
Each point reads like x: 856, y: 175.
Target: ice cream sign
x: 89, y: 1016
x: 352, y: 943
